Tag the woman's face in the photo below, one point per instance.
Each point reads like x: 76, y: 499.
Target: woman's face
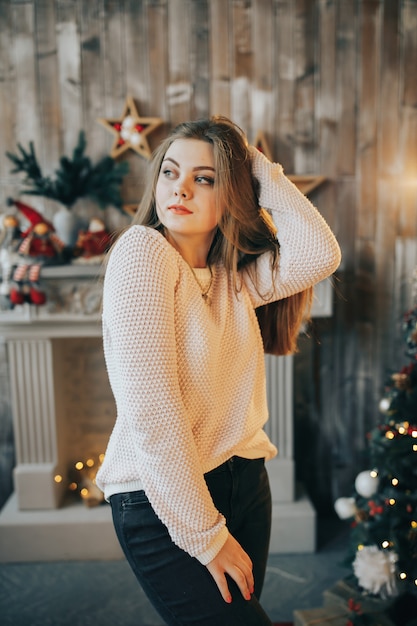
x: 185, y: 196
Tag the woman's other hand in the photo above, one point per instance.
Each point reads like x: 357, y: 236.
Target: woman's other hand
x: 234, y: 561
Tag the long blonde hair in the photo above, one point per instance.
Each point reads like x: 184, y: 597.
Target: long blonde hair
x: 245, y: 230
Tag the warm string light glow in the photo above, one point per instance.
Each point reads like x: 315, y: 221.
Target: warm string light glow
x: 83, y: 480
x: 402, y: 429
x: 384, y: 508
x: 386, y: 544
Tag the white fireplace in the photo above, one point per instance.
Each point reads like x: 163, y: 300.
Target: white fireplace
x: 63, y: 411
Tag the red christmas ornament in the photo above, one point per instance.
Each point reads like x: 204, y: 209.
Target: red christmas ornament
x: 354, y: 606
x: 375, y: 509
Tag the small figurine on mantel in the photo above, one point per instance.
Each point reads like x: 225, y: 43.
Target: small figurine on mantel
x: 10, y: 233
x: 93, y: 243
x: 10, y: 237
x: 38, y: 246
x: 38, y: 241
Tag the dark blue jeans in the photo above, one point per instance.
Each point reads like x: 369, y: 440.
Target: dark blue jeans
x: 179, y: 587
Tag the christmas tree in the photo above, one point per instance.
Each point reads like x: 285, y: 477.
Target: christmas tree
x: 383, y: 509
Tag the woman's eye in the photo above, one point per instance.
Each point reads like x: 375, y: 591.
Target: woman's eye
x: 205, y: 180
x: 167, y: 172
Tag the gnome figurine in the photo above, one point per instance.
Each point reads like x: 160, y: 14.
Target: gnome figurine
x: 40, y: 246
x: 93, y: 243
x: 10, y: 238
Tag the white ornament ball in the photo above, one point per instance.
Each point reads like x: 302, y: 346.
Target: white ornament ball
x: 345, y: 507
x: 125, y: 134
x: 384, y: 405
x: 135, y: 138
x: 366, y: 484
x: 128, y: 122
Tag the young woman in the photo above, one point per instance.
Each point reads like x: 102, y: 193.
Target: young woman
x: 195, y: 290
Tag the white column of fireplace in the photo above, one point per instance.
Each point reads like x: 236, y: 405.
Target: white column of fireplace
x: 35, y: 428
x: 37, y: 523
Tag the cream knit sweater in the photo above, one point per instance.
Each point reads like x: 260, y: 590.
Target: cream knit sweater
x: 188, y: 377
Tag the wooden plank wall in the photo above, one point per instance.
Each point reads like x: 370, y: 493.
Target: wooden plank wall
x: 332, y: 85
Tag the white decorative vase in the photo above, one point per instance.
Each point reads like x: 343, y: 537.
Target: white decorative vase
x: 66, y: 224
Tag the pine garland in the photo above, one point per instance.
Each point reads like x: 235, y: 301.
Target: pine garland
x: 75, y: 178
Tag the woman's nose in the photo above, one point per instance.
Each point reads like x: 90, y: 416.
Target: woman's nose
x: 182, y: 189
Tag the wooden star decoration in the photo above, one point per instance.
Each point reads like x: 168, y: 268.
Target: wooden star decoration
x: 131, y: 209
x: 305, y: 183
x: 262, y: 145
x: 131, y: 130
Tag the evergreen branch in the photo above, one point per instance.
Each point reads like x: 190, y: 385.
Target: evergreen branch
x: 75, y: 178
x: 28, y: 162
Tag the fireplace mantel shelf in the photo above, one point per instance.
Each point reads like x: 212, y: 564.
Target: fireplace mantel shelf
x: 73, y: 306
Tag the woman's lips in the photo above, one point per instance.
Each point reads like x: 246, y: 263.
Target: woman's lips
x: 179, y: 210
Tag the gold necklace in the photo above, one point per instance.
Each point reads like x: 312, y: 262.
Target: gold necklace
x: 204, y: 291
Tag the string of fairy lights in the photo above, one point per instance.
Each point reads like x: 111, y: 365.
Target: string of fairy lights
x: 82, y: 480
x: 405, y: 500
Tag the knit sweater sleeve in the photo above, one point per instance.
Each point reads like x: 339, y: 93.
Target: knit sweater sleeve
x: 141, y: 357
x: 308, y: 250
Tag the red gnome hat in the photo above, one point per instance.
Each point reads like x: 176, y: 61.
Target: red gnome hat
x: 31, y: 214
